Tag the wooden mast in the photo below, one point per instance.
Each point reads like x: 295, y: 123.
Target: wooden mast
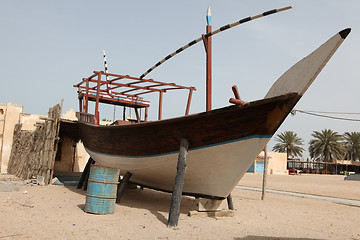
x: 207, y: 42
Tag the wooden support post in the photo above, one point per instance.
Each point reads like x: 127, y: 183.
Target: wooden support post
x: 160, y: 105
x: 265, y: 173
x: 230, y: 202
x: 146, y: 113
x: 122, y: 185
x: 178, y: 185
x: 188, y: 102
x: 83, y: 175
x: 137, y: 115
x: 87, y: 175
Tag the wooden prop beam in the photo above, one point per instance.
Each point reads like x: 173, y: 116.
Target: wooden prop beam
x: 230, y: 202
x: 178, y: 185
x: 87, y: 175
x: 265, y: 174
x: 223, y: 28
x: 85, y: 171
x: 122, y: 185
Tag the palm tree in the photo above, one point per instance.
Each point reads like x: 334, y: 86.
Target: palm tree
x: 290, y: 143
x: 326, y: 145
x: 352, y: 145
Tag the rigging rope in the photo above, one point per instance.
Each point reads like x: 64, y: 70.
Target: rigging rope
x: 315, y: 113
x: 346, y: 113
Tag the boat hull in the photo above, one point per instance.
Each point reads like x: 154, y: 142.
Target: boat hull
x: 223, y: 143
x: 212, y: 171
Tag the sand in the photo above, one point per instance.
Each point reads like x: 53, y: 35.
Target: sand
x: 56, y: 212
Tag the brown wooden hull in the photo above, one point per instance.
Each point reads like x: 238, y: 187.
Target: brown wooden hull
x: 261, y: 117
x: 223, y: 144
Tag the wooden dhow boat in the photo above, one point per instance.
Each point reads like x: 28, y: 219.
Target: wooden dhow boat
x: 223, y: 143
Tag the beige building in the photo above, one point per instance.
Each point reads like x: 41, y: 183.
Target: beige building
x: 277, y: 163
x: 71, y: 156
x: 10, y: 115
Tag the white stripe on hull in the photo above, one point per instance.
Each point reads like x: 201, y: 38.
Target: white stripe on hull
x: 213, y: 170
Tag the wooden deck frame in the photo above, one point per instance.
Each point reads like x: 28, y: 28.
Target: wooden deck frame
x: 124, y: 91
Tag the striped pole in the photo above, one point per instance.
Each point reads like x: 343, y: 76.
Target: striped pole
x: 106, y: 71
x: 223, y: 28
x: 107, y: 80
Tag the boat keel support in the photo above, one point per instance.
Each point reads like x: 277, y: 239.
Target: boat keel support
x: 230, y: 202
x: 174, y: 211
x: 123, y: 183
x: 85, y: 174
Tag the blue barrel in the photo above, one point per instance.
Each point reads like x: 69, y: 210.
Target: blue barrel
x: 101, y: 191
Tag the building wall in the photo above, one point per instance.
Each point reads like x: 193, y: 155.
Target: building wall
x: 65, y: 156
x: 28, y: 121
x: 72, y: 156
x: 73, y: 159
x: 11, y: 114
x: 9, y: 117
x: 81, y: 157
x: 277, y: 163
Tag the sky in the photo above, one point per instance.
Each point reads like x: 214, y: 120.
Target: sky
x: 48, y: 46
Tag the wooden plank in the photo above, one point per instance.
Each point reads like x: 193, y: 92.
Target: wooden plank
x: 206, y: 205
x: 223, y: 213
x: 56, y: 141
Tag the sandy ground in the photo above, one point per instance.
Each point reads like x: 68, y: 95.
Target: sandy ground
x: 56, y: 212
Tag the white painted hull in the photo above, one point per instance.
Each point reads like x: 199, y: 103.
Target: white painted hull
x: 212, y: 170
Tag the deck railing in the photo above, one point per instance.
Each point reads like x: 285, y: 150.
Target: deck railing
x: 85, y: 117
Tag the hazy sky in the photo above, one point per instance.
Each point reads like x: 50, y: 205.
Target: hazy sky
x: 47, y: 46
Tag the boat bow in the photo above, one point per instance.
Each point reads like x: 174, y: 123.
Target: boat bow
x: 300, y: 76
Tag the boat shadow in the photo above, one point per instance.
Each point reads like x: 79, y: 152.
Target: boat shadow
x: 156, y: 202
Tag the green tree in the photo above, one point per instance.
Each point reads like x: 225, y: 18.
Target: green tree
x: 289, y: 143
x: 352, y: 145
x: 326, y: 145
